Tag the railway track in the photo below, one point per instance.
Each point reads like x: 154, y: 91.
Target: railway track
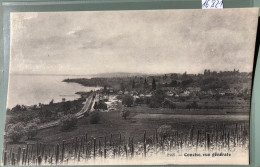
x: 89, y: 104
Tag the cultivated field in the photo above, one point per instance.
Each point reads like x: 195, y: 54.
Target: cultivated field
x: 143, y: 133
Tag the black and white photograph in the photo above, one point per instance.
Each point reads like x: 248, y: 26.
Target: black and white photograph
x: 130, y: 87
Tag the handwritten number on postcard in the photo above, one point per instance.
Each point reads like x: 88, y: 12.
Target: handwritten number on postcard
x: 212, y: 4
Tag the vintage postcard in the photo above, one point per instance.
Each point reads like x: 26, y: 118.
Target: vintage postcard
x: 132, y: 87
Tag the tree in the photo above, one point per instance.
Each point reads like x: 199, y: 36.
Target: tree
x: 8, y: 111
x: 34, y: 106
x: 45, y: 115
x: 100, y: 105
x: 105, y: 88
x: 184, y: 75
x: 15, y: 132
x: 31, y: 130
x: 122, y: 86
x: 68, y: 122
x: 193, y: 105
x: 51, y: 102
x: 63, y: 99
x: 86, y: 114
x: 164, y: 77
x: 187, y: 82
x: 217, y: 97
x: 173, y: 83
x: 36, y: 120
x: 128, y: 100
x: 157, y: 99
x: 188, y: 106
x: 125, y: 114
x: 95, y: 117
x: 169, y: 104
x: 133, y: 84
x: 145, y: 84
x: 66, y: 107
x: 17, y: 108
x: 154, y: 84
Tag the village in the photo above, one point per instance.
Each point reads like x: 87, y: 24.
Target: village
x: 225, y: 92
x: 203, y: 91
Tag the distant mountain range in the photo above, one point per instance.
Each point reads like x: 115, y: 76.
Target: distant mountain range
x: 100, y: 75
x: 117, y: 75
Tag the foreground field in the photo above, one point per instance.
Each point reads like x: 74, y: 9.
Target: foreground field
x: 141, y: 119
x: 141, y: 135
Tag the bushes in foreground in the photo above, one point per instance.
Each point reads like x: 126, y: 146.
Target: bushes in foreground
x: 68, y: 122
x: 95, y: 117
x: 128, y: 100
x: 125, y: 114
x: 31, y: 130
x: 15, y: 132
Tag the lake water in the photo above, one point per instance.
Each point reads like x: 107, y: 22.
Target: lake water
x: 35, y: 89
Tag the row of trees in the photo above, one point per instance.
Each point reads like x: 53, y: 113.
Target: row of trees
x: 133, y: 85
x: 18, y: 108
x: 51, y: 113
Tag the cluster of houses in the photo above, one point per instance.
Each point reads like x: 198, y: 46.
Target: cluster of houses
x: 182, y: 92
x: 175, y: 95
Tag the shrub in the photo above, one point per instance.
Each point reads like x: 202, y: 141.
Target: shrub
x: 155, y: 104
x: 193, y: 105
x: 8, y: 126
x: 23, y: 117
x: 139, y: 101
x: 15, y: 132
x: 51, y: 102
x: 157, y: 99
x: 188, y: 106
x: 168, y: 104
x: 147, y: 100
x: 17, y: 108
x: 45, y: 115
x: 36, y: 120
x: 31, y: 130
x: 128, y: 100
x: 125, y: 114
x: 182, y: 99
x: 66, y: 107
x: 119, y: 97
x: 101, y: 105
x: 164, y: 131
x: 86, y: 114
x: 95, y: 117
x: 68, y: 122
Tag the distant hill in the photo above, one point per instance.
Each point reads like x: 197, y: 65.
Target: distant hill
x: 117, y: 75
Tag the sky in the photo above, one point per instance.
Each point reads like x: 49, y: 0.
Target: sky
x: 144, y: 41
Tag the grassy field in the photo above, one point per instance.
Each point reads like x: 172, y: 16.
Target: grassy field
x: 227, y: 132
x: 140, y: 120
